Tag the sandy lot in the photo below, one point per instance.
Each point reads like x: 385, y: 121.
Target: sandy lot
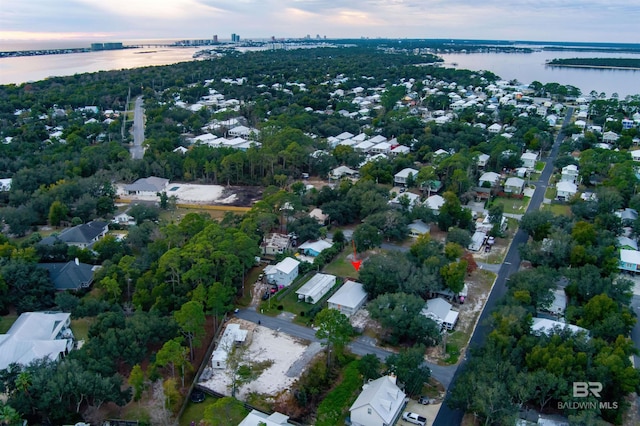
x: 288, y: 354
x: 188, y: 193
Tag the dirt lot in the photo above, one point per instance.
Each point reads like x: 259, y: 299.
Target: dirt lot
x: 187, y: 193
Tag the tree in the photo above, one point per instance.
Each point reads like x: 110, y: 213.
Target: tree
x: 57, y: 212
x: 333, y: 327
x: 225, y: 411
x: 409, y: 367
x: 366, y: 237
x: 537, y: 224
x: 369, y: 366
x: 306, y: 228
x: 136, y: 381
x: 453, y: 275
x: 191, y: 320
x: 173, y: 354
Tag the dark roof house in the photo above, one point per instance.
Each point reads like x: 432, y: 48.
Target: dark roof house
x: 70, y: 275
x: 82, y: 236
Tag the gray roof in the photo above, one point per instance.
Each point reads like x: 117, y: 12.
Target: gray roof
x: 83, y: 234
x: 69, y: 275
x: 150, y: 184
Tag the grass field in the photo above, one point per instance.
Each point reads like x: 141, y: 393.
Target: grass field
x: 341, y: 266
x: 513, y: 205
x: 550, y: 193
x: 80, y: 327
x: 540, y: 166
x: 6, y: 322
x: 558, y: 209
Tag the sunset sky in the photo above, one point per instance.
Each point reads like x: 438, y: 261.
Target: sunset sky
x: 118, y: 20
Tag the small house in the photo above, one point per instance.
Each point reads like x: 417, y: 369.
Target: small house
x: 82, y: 236
x: 627, y: 243
x: 149, y: 186
x: 440, y: 311
x: 379, y: 404
x: 417, y: 228
x: 514, y: 185
x: 233, y: 335
x: 495, y: 128
x: 488, y: 179
x: 477, y: 240
x: 610, y: 137
x: 258, y: 418
x: 549, y: 327
x: 434, y: 203
x: 314, y: 289
x: 629, y: 260
x: 342, y: 171
x: 314, y: 248
x: 559, y: 303
x: 282, y: 273
x: 566, y: 190
x: 274, y: 244
x: 569, y: 174
x: 529, y: 160
x: 404, y: 176
x: 482, y: 160
x: 409, y: 198
x: 349, y: 298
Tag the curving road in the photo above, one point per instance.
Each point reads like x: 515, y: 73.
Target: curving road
x: 447, y: 416
x: 137, y: 150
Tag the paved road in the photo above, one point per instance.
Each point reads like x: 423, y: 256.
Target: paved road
x: 360, y: 346
x: 447, y: 416
x: 137, y: 150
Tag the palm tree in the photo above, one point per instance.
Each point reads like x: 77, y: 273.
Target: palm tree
x: 9, y: 416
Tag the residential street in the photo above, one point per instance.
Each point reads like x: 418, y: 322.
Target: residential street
x: 360, y: 346
x: 137, y: 150
x: 447, y: 416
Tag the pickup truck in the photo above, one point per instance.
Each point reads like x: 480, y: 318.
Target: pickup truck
x: 414, y: 418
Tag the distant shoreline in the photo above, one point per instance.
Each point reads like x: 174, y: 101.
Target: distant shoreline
x: 602, y: 67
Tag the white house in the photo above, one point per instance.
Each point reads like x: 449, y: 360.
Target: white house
x: 349, y: 298
x: 342, y: 171
x: 529, y: 160
x: 314, y: 248
x: 514, y: 185
x: 491, y: 178
x: 477, y: 240
x: 434, y: 203
x: 412, y: 200
x: 400, y: 149
x: 629, y: 260
x: 559, y: 303
x: 495, y: 128
x: 258, y: 418
x: 314, y: 289
x: 5, y: 184
x: 569, y: 173
x: 610, y: 137
x: 282, y: 273
x: 275, y: 243
x: 379, y: 404
x: 566, y: 190
x: 482, y: 160
x: 36, y: 335
x: 440, y: 311
x: 233, y: 335
x: 635, y: 155
x: 402, y: 176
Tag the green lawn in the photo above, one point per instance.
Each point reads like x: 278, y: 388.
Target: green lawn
x: 195, y: 412
x: 540, y: 166
x: 80, y: 328
x: 550, y: 193
x: 6, y: 322
x: 341, y: 266
x: 558, y: 209
x: 513, y: 205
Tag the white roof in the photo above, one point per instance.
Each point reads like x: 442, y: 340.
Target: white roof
x: 438, y: 307
x: 419, y: 226
x: 232, y: 333
x: 514, y: 181
x: 559, y: 303
x: 547, y: 326
x: 570, y: 169
x: 404, y: 173
x: 316, y: 245
x: 351, y: 294
x: 34, y: 335
x: 626, y: 241
x: 257, y: 418
x: 489, y: 177
x: 401, y: 149
x: 483, y: 157
x: 383, y: 396
x: 635, y: 154
x: 529, y: 156
x: 317, y: 286
x: 569, y: 187
x: 630, y: 256
x: 434, y: 202
x: 345, y: 135
x: 287, y: 265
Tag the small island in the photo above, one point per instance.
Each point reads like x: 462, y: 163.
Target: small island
x: 602, y: 63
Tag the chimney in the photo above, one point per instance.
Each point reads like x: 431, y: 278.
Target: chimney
x: 77, y: 262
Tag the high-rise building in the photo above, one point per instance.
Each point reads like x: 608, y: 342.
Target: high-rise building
x: 215, y: 38
x: 235, y: 37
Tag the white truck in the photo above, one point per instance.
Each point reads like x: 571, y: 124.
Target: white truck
x: 414, y: 418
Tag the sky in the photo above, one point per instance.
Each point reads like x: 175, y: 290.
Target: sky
x: 122, y: 20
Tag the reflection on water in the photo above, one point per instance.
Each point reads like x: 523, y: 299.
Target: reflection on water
x: 531, y: 67
x: 33, y: 68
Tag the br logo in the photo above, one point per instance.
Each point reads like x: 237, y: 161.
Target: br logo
x: 584, y: 389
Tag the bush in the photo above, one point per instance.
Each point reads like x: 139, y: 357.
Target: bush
x: 280, y: 307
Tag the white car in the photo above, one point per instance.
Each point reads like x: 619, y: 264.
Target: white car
x: 414, y: 418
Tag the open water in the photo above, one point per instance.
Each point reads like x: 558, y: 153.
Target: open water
x: 524, y: 67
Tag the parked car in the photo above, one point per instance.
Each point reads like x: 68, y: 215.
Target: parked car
x: 414, y: 418
x: 266, y: 295
x: 425, y: 400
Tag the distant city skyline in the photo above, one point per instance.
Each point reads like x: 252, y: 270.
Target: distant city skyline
x: 116, y: 20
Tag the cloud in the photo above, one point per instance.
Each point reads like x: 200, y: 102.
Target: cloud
x: 587, y: 20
